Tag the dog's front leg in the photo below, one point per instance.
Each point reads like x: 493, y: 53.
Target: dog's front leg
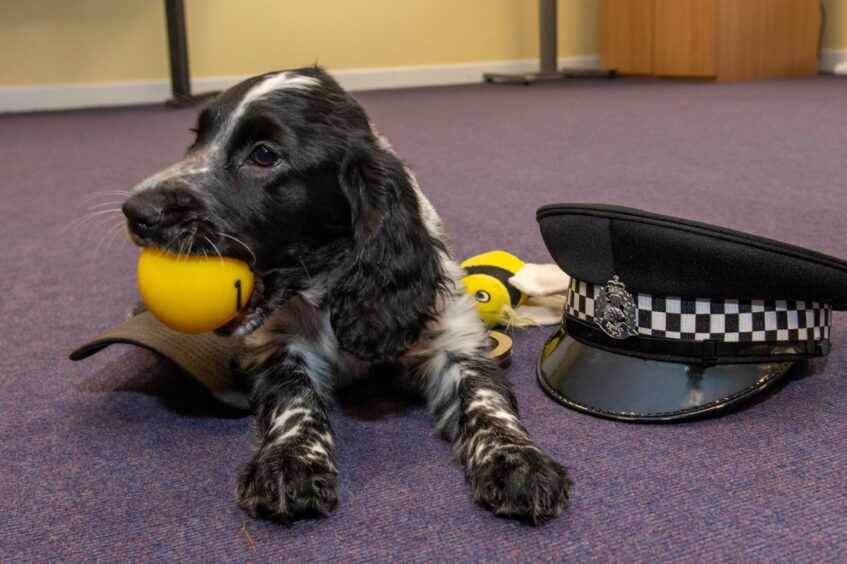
x: 294, y: 472
x: 473, y: 406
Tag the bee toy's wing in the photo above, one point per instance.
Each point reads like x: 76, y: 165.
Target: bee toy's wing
x: 547, y: 286
x: 541, y: 280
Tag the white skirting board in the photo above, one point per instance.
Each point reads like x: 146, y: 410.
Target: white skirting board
x: 94, y: 95
x: 107, y: 94
x: 834, y: 61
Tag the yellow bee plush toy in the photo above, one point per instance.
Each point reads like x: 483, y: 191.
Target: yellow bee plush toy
x: 513, y: 293
x: 488, y: 283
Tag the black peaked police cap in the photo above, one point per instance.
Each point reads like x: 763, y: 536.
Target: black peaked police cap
x: 669, y: 319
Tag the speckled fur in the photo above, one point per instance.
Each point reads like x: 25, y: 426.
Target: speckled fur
x: 357, y: 276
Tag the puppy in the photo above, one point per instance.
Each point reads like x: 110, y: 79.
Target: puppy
x: 351, y: 269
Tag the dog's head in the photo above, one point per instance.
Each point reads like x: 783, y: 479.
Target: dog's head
x: 287, y: 174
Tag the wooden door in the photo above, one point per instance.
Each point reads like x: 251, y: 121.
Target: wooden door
x: 685, y: 38
x: 626, y: 36
x: 767, y: 38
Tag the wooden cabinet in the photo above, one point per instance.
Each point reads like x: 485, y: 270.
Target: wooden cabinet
x: 710, y: 39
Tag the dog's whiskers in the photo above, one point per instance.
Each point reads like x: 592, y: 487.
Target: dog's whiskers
x: 99, y: 223
x: 115, y: 232
x: 94, y: 196
x: 215, y: 247
x: 167, y: 246
x: 104, y: 204
x: 111, y: 240
x: 303, y: 264
x: 110, y: 231
x: 181, y: 247
x: 191, y: 242
x: 87, y: 217
x: 242, y: 243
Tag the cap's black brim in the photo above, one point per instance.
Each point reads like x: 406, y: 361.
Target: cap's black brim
x: 622, y: 387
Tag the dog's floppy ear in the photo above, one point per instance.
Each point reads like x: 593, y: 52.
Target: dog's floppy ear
x: 388, y: 291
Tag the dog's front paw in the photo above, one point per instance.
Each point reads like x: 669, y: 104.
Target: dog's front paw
x: 521, y: 482
x: 282, y: 486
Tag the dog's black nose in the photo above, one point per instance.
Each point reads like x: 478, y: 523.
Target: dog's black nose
x: 143, y: 214
x: 160, y: 212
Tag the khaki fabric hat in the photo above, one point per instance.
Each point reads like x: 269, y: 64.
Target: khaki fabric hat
x: 206, y: 357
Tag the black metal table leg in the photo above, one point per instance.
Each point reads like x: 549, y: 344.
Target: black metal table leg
x: 178, y: 51
x: 548, y: 50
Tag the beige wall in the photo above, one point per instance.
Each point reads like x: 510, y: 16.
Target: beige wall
x: 79, y: 41
x: 835, y: 34
x: 84, y: 41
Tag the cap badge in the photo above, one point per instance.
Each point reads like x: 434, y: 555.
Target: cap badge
x: 615, y: 310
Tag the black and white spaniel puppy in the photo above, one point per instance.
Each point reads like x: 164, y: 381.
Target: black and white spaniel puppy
x: 352, y: 272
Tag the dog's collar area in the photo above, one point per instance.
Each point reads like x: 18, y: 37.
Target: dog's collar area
x: 702, y: 330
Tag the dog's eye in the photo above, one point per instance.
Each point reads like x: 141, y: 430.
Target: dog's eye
x: 263, y: 155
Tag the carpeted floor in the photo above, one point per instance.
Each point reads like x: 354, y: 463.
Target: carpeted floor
x: 120, y: 457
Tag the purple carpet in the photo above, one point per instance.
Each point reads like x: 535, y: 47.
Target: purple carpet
x: 120, y: 457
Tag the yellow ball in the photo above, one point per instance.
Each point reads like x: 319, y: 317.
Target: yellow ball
x: 193, y: 294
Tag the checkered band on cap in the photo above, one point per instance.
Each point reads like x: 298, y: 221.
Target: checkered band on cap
x: 699, y: 319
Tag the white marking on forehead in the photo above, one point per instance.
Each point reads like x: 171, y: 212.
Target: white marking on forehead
x: 272, y: 83
x: 199, y: 163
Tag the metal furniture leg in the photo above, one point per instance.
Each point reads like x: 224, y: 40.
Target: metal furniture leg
x: 178, y: 51
x: 548, y: 48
